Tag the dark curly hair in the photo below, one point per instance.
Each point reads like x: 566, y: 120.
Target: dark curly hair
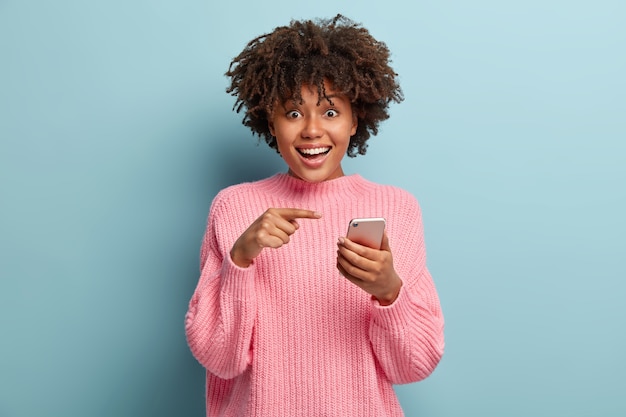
x: 274, y: 67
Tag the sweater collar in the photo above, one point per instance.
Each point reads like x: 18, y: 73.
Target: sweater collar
x: 288, y: 187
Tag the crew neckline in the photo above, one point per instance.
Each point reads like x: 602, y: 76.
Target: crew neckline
x: 289, y: 187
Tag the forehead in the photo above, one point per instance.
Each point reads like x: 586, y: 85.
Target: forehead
x: 313, y: 93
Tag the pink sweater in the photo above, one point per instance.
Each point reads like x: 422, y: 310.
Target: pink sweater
x: 289, y: 336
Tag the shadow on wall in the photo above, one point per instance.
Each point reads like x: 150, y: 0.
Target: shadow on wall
x: 161, y: 378
x: 244, y: 159
x: 164, y: 386
x: 221, y: 159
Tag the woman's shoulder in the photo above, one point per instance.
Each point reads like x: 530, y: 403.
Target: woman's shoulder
x: 238, y: 189
x: 242, y: 192
x: 389, y: 191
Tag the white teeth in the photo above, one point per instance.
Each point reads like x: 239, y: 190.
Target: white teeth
x: 314, y: 151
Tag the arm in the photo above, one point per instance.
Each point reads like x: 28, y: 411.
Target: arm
x: 407, y: 336
x: 406, y: 329
x: 220, y: 320
x: 222, y: 311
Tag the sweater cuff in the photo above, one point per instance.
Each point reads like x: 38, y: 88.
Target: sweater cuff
x: 238, y: 282
x: 394, y: 314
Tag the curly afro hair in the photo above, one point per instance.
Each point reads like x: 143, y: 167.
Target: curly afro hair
x: 273, y: 68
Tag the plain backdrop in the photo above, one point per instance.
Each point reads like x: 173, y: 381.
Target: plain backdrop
x: 116, y: 133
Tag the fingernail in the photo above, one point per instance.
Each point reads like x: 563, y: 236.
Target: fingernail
x: 341, y: 240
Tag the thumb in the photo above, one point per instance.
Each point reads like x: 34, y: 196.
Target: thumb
x: 385, y: 243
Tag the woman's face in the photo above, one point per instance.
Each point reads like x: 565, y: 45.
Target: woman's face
x: 312, y: 138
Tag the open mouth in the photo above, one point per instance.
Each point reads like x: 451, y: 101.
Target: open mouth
x: 313, y: 152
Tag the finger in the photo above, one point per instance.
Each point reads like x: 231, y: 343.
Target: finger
x: 288, y: 217
x: 345, y: 274
x: 364, y: 251
x: 355, y: 275
x: 296, y: 213
x: 272, y: 223
x: 349, y: 277
x: 279, y: 236
x: 355, y: 266
x: 274, y: 241
x: 341, y: 270
x: 385, y: 243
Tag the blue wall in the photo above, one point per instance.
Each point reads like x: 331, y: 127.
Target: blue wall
x: 116, y: 133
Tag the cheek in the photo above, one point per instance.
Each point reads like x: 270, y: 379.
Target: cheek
x: 281, y: 144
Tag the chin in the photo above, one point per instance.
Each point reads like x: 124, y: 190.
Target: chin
x: 310, y: 177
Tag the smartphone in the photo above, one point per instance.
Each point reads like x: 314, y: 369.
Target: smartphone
x: 367, y: 231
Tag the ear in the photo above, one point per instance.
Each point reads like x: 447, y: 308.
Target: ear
x: 355, y: 123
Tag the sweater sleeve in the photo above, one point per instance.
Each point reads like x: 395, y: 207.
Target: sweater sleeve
x: 407, y: 336
x: 220, y: 320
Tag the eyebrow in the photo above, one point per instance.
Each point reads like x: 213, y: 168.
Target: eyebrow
x: 327, y: 98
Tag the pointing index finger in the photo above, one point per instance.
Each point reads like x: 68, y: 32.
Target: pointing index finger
x: 296, y: 213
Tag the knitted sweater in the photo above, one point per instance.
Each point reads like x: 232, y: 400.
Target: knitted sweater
x: 289, y: 335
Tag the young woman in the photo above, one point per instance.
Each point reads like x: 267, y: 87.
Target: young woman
x: 291, y: 318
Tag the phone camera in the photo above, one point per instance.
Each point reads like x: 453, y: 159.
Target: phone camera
x: 355, y: 224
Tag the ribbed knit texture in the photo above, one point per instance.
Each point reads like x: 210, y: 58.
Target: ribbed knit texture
x: 289, y: 336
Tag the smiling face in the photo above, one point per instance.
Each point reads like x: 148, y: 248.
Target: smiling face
x: 312, y: 138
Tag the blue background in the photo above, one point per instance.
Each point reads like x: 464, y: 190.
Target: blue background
x: 116, y: 133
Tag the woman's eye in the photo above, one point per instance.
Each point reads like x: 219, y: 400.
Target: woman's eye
x: 293, y: 114
x: 331, y: 113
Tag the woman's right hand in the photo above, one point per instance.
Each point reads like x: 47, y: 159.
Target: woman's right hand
x: 271, y: 230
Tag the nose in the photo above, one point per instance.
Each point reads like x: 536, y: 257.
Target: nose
x: 312, y: 128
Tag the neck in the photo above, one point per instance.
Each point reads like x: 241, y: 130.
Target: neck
x: 289, y: 187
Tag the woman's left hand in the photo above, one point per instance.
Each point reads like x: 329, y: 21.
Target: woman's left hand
x: 370, y: 269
